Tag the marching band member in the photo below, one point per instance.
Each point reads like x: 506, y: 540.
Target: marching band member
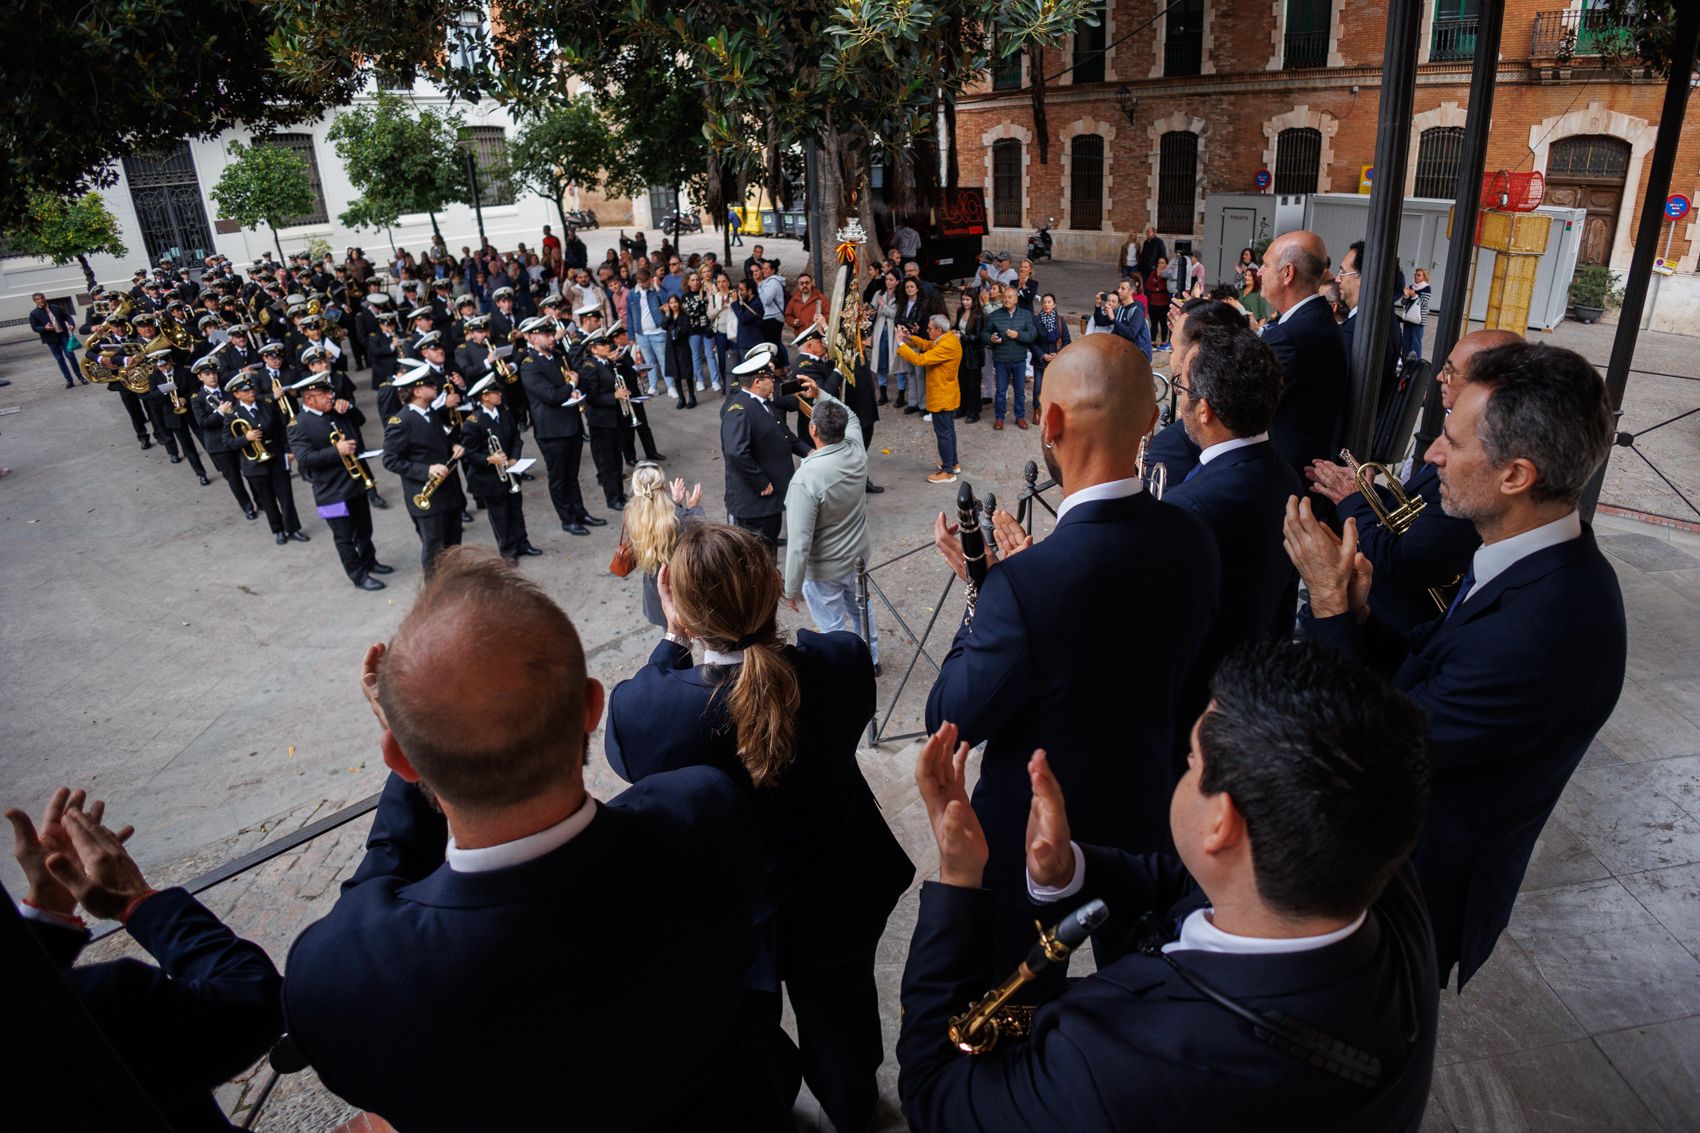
x: 637, y: 429
x: 213, y: 409
x: 487, y: 467
x: 604, y: 392
x: 167, y: 393
x: 418, y: 450
x: 263, y: 447
x: 557, y: 424
x: 326, y: 440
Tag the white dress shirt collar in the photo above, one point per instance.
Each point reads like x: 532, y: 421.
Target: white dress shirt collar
x: 1230, y: 445
x: 495, y: 414
x: 1109, y: 490
x: 1288, y: 313
x: 313, y: 411
x: 1200, y: 934
x: 521, y: 850
x: 420, y: 409
x: 715, y: 657
x: 1494, y: 559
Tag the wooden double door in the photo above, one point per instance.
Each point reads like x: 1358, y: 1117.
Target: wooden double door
x: 1589, y: 172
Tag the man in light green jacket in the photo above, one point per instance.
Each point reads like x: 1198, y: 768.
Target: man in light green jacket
x: 826, y: 515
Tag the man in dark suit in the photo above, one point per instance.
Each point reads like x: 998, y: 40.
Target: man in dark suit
x: 212, y: 409
x: 262, y: 443
x: 557, y: 424
x: 208, y: 1010
x: 637, y: 430
x: 239, y: 354
x: 1288, y: 901
x: 1349, y: 279
x: 1528, y: 662
x: 341, y: 499
x: 758, y: 448
x: 1024, y: 674
x: 417, y: 449
x: 1240, y: 485
x: 171, y: 392
x: 496, y: 490
x: 1436, y: 550
x: 1307, y: 341
x: 526, y: 886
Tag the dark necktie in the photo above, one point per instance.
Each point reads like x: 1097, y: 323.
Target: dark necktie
x: 1463, y: 591
x: 1191, y: 472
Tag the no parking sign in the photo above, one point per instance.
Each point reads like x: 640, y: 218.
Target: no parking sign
x: 1261, y: 179
x: 1677, y: 206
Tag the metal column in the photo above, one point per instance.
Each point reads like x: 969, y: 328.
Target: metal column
x: 1466, y: 206
x: 1386, y: 203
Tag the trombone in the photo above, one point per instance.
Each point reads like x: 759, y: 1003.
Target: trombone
x: 356, y: 470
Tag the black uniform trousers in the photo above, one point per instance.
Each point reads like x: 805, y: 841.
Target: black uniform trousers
x: 507, y: 522
x: 561, y: 456
x: 272, y: 491
x: 353, y: 536
x: 156, y: 408
x: 138, y: 415
x: 229, y: 465
x: 438, y: 530
x: 767, y: 526
x: 610, y: 473
x: 838, y: 1035
x: 184, y: 436
x: 637, y: 430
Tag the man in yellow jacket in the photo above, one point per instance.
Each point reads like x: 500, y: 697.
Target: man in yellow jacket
x: 940, y: 352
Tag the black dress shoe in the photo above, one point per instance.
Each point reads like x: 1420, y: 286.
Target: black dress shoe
x: 378, y: 501
x: 971, y: 419
x: 176, y: 458
x: 575, y: 529
x: 877, y: 669
x: 528, y: 549
x: 300, y: 536
x: 874, y: 489
x: 912, y: 409
x: 369, y: 584
x: 250, y: 513
x: 593, y: 521
x: 146, y: 444
x: 282, y: 539
x: 380, y: 568
x: 526, y: 476
x: 616, y: 505
x: 205, y: 481
x: 658, y: 457
x: 466, y: 517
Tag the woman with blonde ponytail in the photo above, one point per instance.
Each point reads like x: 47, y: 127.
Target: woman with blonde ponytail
x: 654, y: 516
x: 784, y: 721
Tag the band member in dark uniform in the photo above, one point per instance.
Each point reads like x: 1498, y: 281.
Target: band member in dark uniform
x: 383, y: 348
x: 492, y: 440
x: 417, y: 449
x: 326, y: 441
x: 168, y: 393
x: 239, y: 355
x: 263, y: 444
x: 758, y: 448
x: 96, y: 333
x: 557, y: 423
x: 318, y: 362
x: 605, y: 392
x: 213, y: 408
x: 637, y: 427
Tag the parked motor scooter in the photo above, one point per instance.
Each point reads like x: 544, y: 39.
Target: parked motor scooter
x: 1039, y: 244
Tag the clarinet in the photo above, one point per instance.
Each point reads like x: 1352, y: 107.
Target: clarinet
x: 973, y: 546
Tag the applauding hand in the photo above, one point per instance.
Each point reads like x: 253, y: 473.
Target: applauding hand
x: 939, y: 772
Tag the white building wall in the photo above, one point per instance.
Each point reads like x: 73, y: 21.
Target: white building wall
x: 505, y: 225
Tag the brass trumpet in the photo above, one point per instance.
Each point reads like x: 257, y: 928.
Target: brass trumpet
x: 1400, y: 517
x: 356, y: 470
x: 255, y: 450
x: 508, y: 374
x: 422, y: 501
x: 1155, y: 475
x: 502, y: 469
x: 282, y: 399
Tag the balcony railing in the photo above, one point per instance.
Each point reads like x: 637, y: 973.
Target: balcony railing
x: 1304, y: 49
x: 1454, y: 38
x: 1568, y: 34
x: 1183, y: 53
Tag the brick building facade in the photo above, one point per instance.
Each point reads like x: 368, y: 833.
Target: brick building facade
x: 1217, y: 90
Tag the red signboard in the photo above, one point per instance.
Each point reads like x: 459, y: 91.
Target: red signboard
x: 962, y: 212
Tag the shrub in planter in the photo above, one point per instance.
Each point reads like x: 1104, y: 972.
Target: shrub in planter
x: 1593, y: 289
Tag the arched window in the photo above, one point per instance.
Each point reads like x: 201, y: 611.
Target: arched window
x: 1177, y: 180
x: 1006, y: 183
x: 301, y: 145
x: 1086, y: 185
x: 1439, y: 152
x: 1090, y: 47
x: 1298, y: 160
x: 489, y: 146
x: 1591, y: 155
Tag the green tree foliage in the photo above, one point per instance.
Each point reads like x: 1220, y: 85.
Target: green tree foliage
x: 402, y: 159
x: 863, y: 78
x: 93, y: 81
x: 559, y: 145
x: 264, y: 184
x: 65, y: 229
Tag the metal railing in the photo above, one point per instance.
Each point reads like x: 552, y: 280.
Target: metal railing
x: 1304, y: 50
x: 1571, y: 33
x: 1454, y: 38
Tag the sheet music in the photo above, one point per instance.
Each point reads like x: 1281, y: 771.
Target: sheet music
x: 502, y: 351
x: 520, y: 466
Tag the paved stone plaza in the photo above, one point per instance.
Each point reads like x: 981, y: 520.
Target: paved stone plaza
x: 170, y: 657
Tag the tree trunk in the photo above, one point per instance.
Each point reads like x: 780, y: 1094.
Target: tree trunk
x: 561, y: 210
x: 88, y: 272
x: 276, y: 241
x: 845, y: 192
x: 435, y: 231
x: 389, y: 234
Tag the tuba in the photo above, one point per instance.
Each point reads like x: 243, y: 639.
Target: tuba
x: 356, y: 470
x: 1400, y: 517
x: 176, y: 333
x: 137, y: 377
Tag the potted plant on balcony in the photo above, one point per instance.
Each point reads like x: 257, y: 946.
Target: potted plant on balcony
x: 1593, y: 289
